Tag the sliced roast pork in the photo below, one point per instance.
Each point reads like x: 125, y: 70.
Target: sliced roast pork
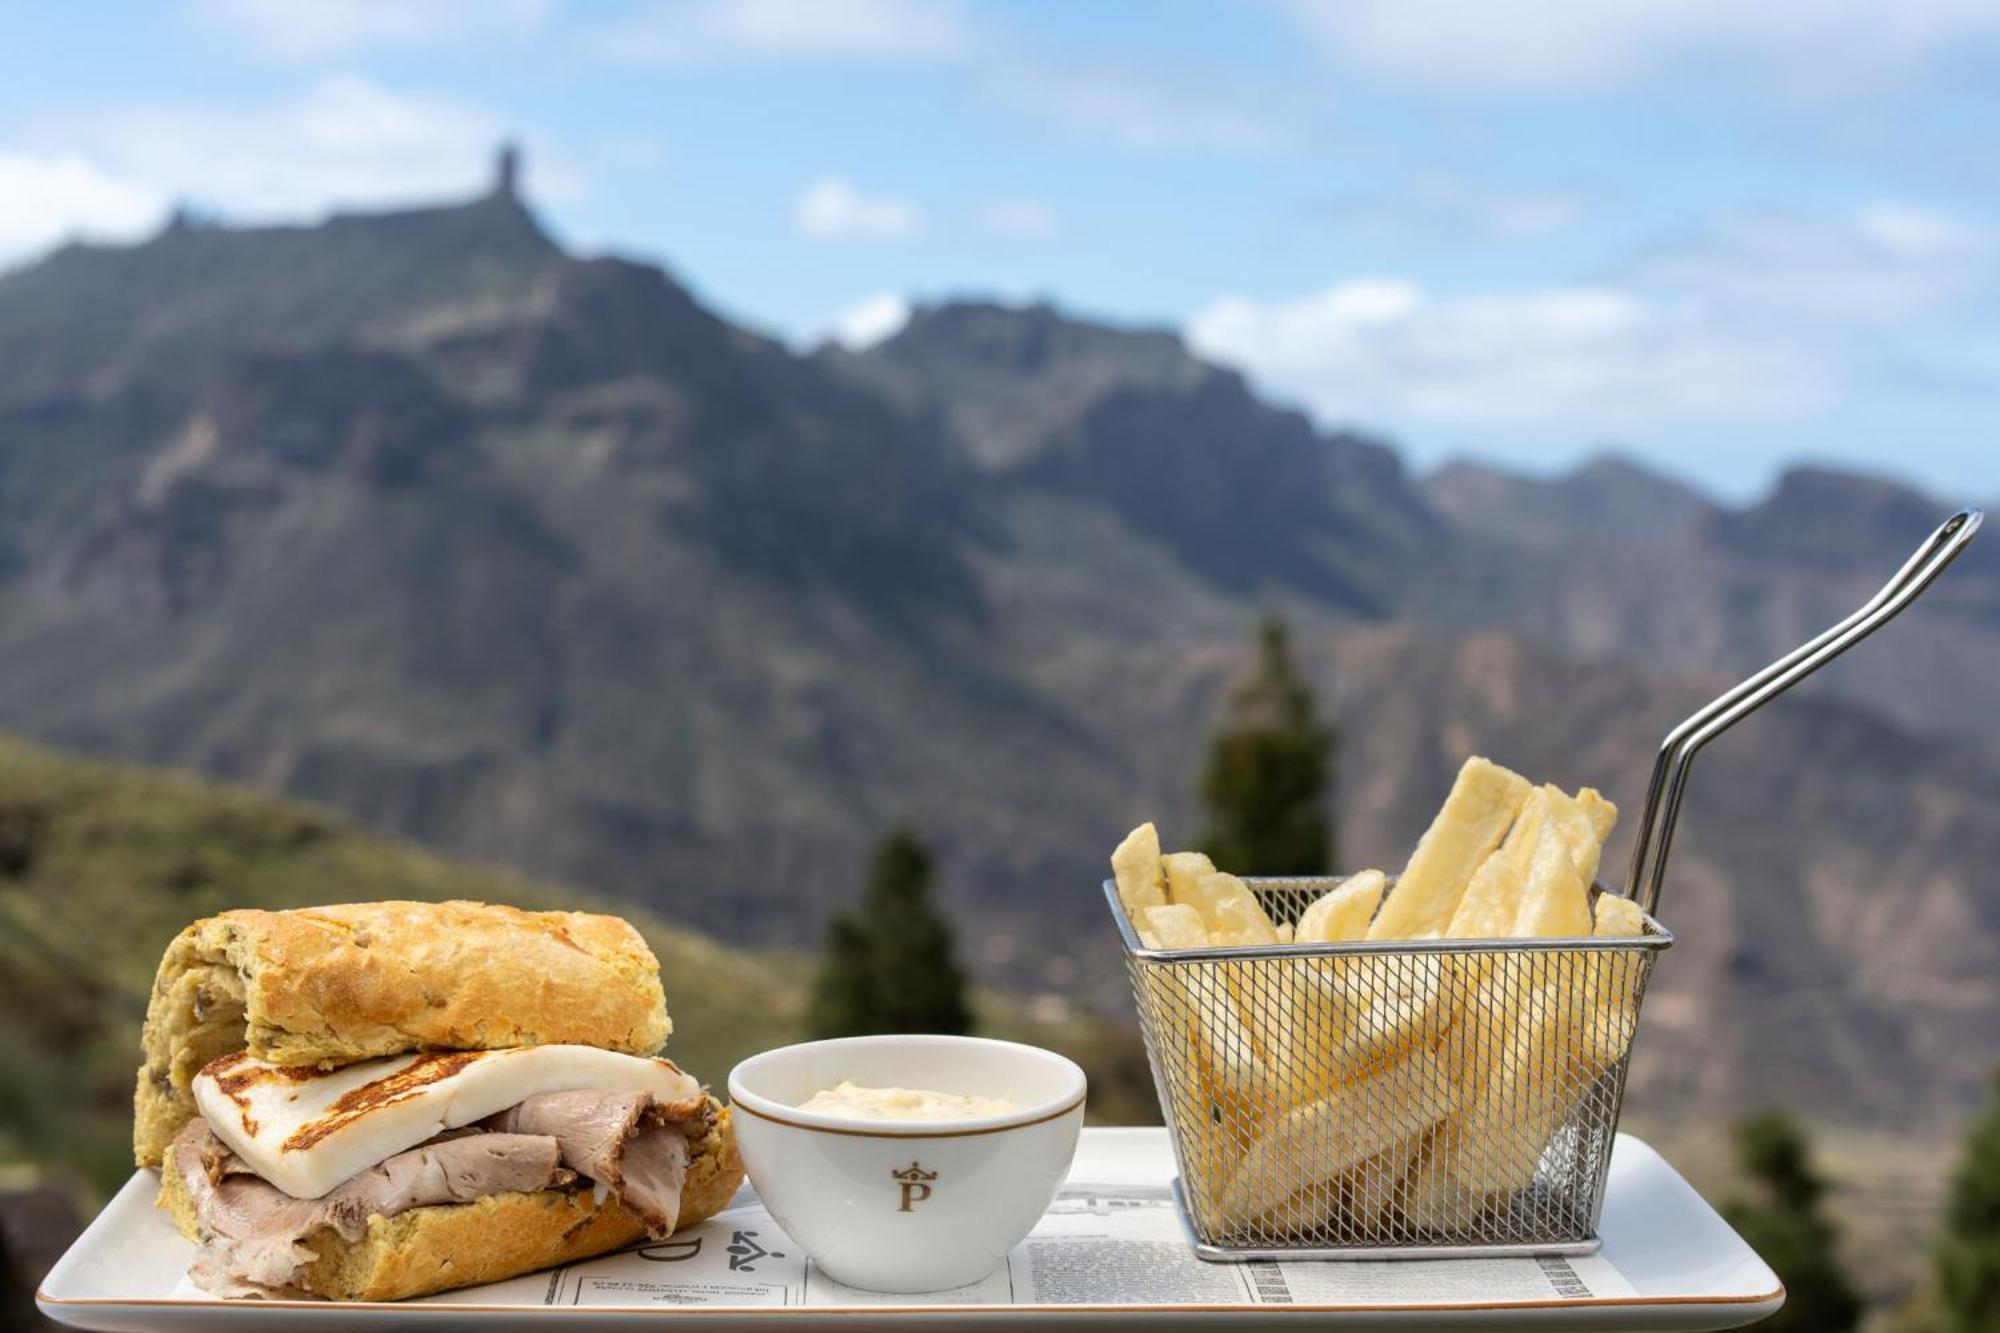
x: 628, y: 1143
x: 252, y: 1231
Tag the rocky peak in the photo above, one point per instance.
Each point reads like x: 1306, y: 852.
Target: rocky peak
x: 196, y: 293
x: 1035, y: 342
x: 1836, y: 521
x: 1607, y: 496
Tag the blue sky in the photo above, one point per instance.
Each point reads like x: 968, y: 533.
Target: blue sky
x: 1720, y: 237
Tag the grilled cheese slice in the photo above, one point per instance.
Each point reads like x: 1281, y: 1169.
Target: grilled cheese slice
x: 306, y: 1130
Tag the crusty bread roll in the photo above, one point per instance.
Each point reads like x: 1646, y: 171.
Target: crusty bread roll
x: 490, y: 1239
x: 327, y: 986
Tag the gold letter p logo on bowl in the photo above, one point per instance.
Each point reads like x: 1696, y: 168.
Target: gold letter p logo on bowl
x: 916, y: 1183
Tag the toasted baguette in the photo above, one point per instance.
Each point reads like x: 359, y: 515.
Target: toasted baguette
x: 490, y: 1239
x: 328, y: 986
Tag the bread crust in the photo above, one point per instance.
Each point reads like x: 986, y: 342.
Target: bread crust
x: 328, y: 986
x: 490, y: 1239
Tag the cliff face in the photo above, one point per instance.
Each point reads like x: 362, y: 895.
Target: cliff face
x: 535, y: 558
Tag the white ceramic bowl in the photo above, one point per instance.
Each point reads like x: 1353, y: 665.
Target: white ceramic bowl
x: 908, y: 1205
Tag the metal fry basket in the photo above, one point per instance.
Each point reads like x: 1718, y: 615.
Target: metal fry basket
x: 1423, y: 1098
x: 1427, y: 1098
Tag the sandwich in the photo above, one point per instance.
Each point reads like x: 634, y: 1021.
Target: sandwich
x: 380, y: 1100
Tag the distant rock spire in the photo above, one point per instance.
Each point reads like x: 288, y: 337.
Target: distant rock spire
x: 507, y: 172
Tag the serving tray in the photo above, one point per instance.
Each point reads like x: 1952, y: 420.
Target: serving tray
x: 1109, y: 1253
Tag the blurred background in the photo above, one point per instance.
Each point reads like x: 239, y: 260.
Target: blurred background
x: 810, y: 476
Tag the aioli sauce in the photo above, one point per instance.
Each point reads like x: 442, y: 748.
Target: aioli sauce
x: 864, y: 1103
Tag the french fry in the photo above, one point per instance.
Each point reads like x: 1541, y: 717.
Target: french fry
x: 1543, y: 1069
x: 1238, y: 1100
x: 1537, y: 1056
x: 1135, y: 866
x: 1492, y: 900
x: 1610, y: 1027
x: 1586, y: 820
x: 1361, y: 1199
x: 1175, y: 925
x: 1285, y: 933
x: 1433, y: 1200
x: 1374, y: 1188
x: 1477, y: 814
x: 1617, y: 917
x: 1184, y: 870
x: 1554, y: 901
x: 1344, y: 913
x: 1337, y: 1133
x: 1229, y: 910
x: 1320, y: 1024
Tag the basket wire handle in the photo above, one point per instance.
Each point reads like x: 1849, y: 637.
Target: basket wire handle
x: 1670, y: 770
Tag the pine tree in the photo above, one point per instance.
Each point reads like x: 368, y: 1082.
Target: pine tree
x: 890, y: 965
x: 1269, y: 773
x: 1784, y: 1223
x: 1968, y: 1253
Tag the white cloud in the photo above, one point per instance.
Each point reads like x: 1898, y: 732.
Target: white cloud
x: 1016, y: 219
x: 344, y: 142
x: 46, y: 199
x: 870, y: 321
x: 1884, y: 262
x: 687, y: 32
x: 833, y: 208
x: 1919, y: 231
x: 1756, y: 319
x: 1539, y: 45
x: 1582, y: 358
x: 313, y: 30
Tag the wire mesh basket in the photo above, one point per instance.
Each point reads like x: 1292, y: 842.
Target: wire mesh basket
x: 1397, y: 1099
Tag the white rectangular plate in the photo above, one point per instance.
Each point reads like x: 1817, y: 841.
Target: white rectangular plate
x: 1669, y: 1262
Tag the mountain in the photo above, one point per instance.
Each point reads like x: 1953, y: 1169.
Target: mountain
x: 1582, y: 561
x: 94, y: 317
x: 1127, y: 421
x: 1607, y: 497
x: 534, y: 558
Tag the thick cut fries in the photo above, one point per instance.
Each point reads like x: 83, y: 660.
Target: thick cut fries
x: 1229, y: 910
x: 1135, y: 866
x: 1174, y: 925
x: 1351, y: 1097
x: 1369, y: 1116
x: 1555, y: 902
x: 1482, y: 804
x: 1343, y: 913
x: 1618, y: 916
x: 1184, y: 870
x: 1493, y: 899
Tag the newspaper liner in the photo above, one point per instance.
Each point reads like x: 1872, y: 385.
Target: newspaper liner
x: 1099, y: 1245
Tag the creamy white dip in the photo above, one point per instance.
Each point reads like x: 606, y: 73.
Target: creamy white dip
x: 864, y: 1103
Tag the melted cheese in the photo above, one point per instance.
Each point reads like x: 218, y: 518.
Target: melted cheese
x: 307, y: 1130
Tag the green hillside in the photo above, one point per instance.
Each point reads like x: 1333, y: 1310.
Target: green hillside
x: 100, y: 865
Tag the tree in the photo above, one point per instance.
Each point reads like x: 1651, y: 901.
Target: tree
x: 890, y: 965
x: 1968, y: 1252
x: 1784, y: 1223
x: 1270, y: 771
